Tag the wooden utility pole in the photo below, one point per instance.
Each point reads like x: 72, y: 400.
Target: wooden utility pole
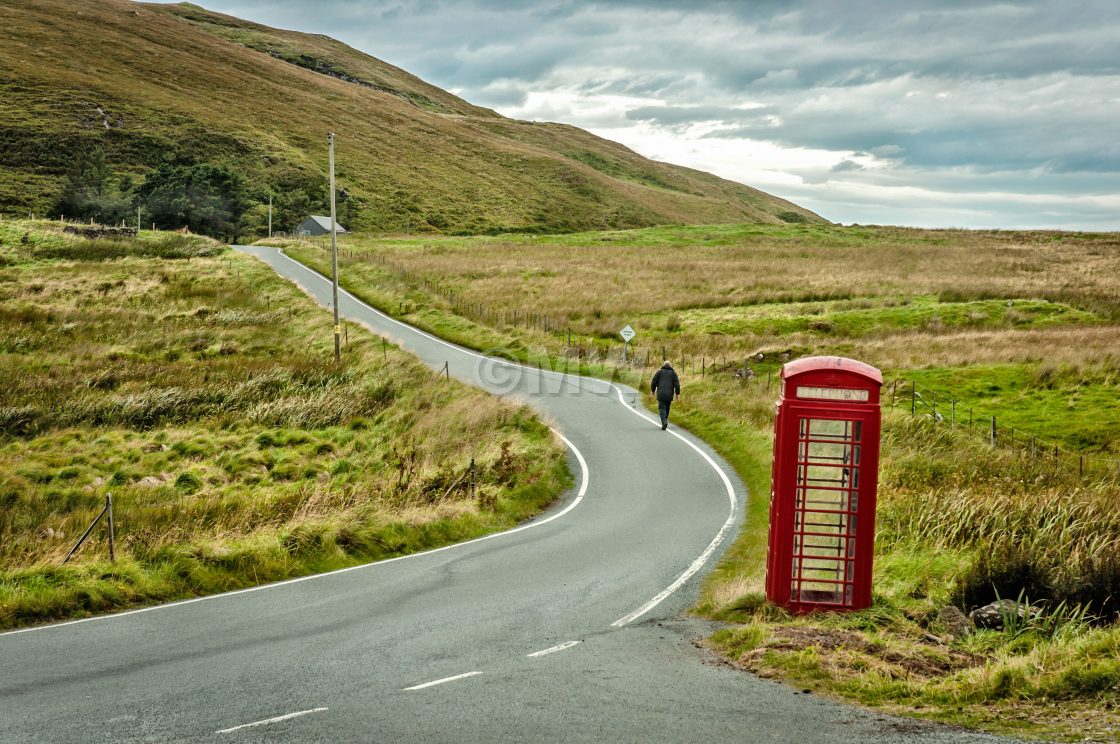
x: 334, y: 256
x: 270, y: 215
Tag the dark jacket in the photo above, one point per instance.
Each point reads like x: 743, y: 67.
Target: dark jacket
x: 665, y: 383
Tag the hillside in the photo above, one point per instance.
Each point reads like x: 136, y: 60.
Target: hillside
x: 140, y: 85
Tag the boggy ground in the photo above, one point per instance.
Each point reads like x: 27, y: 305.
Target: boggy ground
x: 1023, y: 326
x: 200, y: 391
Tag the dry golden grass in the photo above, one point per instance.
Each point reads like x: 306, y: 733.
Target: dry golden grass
x: 624, y: 274
x: 897, y: 298
x: 1074, y: 347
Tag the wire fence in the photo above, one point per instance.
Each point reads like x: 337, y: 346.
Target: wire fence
x: 947, y: 410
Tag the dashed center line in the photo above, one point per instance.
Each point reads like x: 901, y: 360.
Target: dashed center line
x: 277, y: 719
x: 435, y: 682
x: 554, y: 649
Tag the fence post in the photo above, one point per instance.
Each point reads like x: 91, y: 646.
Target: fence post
x: 703, y: 367
x: 970, y: 422
x: 913, y: 397
x: 473, y: 490
x: 954, y: 414
x: 82, y: 539
x: 112, y: 534
x: 993, y: 431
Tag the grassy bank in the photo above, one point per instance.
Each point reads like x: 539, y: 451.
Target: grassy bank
x: 199, y: 389
x: 974, y: 314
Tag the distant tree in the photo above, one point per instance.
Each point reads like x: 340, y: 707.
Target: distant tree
x: 294, y: 207
x: 91, y: 193
x: 206, y: 198
x: 254, y: 222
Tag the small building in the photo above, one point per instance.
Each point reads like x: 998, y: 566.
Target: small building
x: 317, y: 225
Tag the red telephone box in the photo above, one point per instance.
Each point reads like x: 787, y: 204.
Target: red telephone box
x: 824, y: 479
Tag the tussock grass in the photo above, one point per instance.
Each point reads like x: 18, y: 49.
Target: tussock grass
x: 1029, y: 528
x: 203, y: 395
x: 959, y: 523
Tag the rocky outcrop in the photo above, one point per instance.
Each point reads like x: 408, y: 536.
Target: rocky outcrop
x: 100, y: 231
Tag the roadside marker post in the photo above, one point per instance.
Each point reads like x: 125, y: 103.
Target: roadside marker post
x: 627, y: 334
x: 334, y: 255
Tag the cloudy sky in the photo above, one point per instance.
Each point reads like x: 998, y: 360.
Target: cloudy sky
x: 913, y: 112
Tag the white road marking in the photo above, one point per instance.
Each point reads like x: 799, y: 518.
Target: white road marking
x: 697, y: 564
x: 267, y: 721
x: 435, y: 682
x: 584, y: 479
x: 554, y: 649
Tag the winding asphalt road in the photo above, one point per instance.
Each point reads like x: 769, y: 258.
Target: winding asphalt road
x: 568, y: 629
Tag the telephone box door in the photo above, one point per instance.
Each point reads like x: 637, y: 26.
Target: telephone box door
x: 825, y: 559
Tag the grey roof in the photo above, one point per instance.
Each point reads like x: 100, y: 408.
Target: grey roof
x: 325, y: 222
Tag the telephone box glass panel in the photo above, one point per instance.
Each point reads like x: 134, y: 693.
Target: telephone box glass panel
x: 825, y: 507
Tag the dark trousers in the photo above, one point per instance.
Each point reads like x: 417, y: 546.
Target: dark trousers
x: 663, y: 409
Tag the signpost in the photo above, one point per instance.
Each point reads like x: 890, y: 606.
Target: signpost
x: 334, y: 255
x: 627, y: 333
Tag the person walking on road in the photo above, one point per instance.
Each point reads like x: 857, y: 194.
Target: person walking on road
x: 667, y: 387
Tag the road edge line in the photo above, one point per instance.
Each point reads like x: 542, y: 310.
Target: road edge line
x: 699, y: 562
x: 585, y: 478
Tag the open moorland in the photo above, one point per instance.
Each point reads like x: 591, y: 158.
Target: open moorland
x: 967, y: 326
x: 200, y: 391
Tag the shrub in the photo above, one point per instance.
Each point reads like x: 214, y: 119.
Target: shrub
x: 188, y: 482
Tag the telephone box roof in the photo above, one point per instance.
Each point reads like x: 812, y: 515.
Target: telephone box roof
x: 831, y: 363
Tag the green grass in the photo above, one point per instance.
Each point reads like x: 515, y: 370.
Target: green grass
x: 1059, y: 404
x: 863, y: 317
x: 198, y: 389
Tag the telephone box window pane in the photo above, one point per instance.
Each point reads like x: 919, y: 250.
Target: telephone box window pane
x: 824, y: 522
x: 830, y: 429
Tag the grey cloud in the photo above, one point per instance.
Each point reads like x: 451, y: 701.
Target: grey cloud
x: 846, y: 165
x: 676, y: 115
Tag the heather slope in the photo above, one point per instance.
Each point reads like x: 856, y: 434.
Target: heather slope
x: 146, y: 84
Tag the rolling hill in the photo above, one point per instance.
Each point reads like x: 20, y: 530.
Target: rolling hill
x: 145, y: 84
